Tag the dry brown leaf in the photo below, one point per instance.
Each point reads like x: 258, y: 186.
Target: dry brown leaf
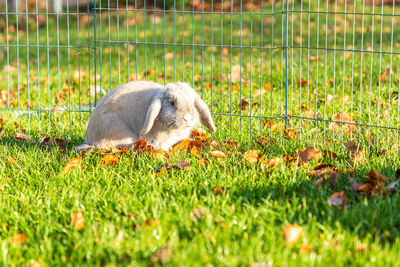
x: 259, y: 93
x: 289, y: 134
x: 292, y: 233
x: 19, y: 239
x: 110, y: 160
x: 73, y: 163
x: 183, y: 165
x: 376, y: 178
x: 243, y: 104
x: 338, y: 199
x: 252, y: 155
x: 309, y: 153
x: 203, y: 161
x: 329, y: 154
x: 366, y: 188
x: 270, y: 163
x: 353, y: 146
x: 78, y: 220
x: 21, y: 136
x: 263, y: 141
x: 217, y: 154
x: 341, y: 120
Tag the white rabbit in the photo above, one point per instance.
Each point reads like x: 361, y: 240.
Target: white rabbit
x: 162, y: 115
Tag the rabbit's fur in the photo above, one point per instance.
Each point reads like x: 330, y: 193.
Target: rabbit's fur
x: 162, y: 115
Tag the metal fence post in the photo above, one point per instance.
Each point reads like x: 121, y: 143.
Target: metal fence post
x: 95, y: 52
x: 286, y: 61
x: 56, y: 6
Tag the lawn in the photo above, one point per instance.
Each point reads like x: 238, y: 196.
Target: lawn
x: 218, y: 211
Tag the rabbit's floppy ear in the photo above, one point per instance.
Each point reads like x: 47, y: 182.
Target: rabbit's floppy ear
x: 204, y: 113
x: 152, y: 113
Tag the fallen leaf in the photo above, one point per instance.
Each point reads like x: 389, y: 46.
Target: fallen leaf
x: 376, y: 178
x: 338, y: 199
x: 313, y: 58
x: 230, y: 144
x: 360, y: 247
x: 12, y: 161
x: 289, y: 134
x: 197, y: 214
x: 341, y: 120
x: 353, y: 146
x: 158, y: 153
x: 305, y: 247
x: 203, y: 161
x: 252, y: 155
x: 72, y: 164
x: 302, y: 82
x: 263, y: 141
x: 219, y: 190
x: 217, y: 154
x: 243, y: 104
x: 329, y: 154
x: 110, y: 160
x: 392, y: 185
x: 308, y: 154
x: 366, y: 188
x: 183, y: 165
x: 195, y: 152
x: 182, y: 146
x: 292, y: 233
x: 141, y: 145
x: 19, y: 239
x: 270, y: 163
x: 78, y: 220
x: 384, y: 75
x: 164, y: 255
x: 357, y: 158
x: 21, y: 136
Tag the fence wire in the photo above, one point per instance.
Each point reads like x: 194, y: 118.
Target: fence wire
x: 323, y: 69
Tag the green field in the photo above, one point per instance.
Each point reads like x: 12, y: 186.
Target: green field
x: 226, y: 212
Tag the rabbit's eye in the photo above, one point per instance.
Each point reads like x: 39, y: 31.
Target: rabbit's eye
x: 172, y: 103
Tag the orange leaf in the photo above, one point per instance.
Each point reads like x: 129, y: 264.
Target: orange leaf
x: 289, y: 134
x: 158, y: 153
x: 217, y: 154
x: 367, y: 187
x: 12, y: 161
x: 73, y: 163
x: 195, y: 152
x: 110, y: 160
x: 18, y: 239
x: 270, y: 163
x: 219, y: 190
x: 292, y: 233
x: 305, y: 247
x: 302, y: 82
x: 252, y: 155
x: 78, y: 220
x: 243, y: 104
x: 184, y: 145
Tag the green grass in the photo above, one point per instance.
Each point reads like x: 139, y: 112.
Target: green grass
x: 242, y: 227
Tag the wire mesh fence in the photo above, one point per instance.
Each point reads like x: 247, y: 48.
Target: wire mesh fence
x: 318, y: 70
